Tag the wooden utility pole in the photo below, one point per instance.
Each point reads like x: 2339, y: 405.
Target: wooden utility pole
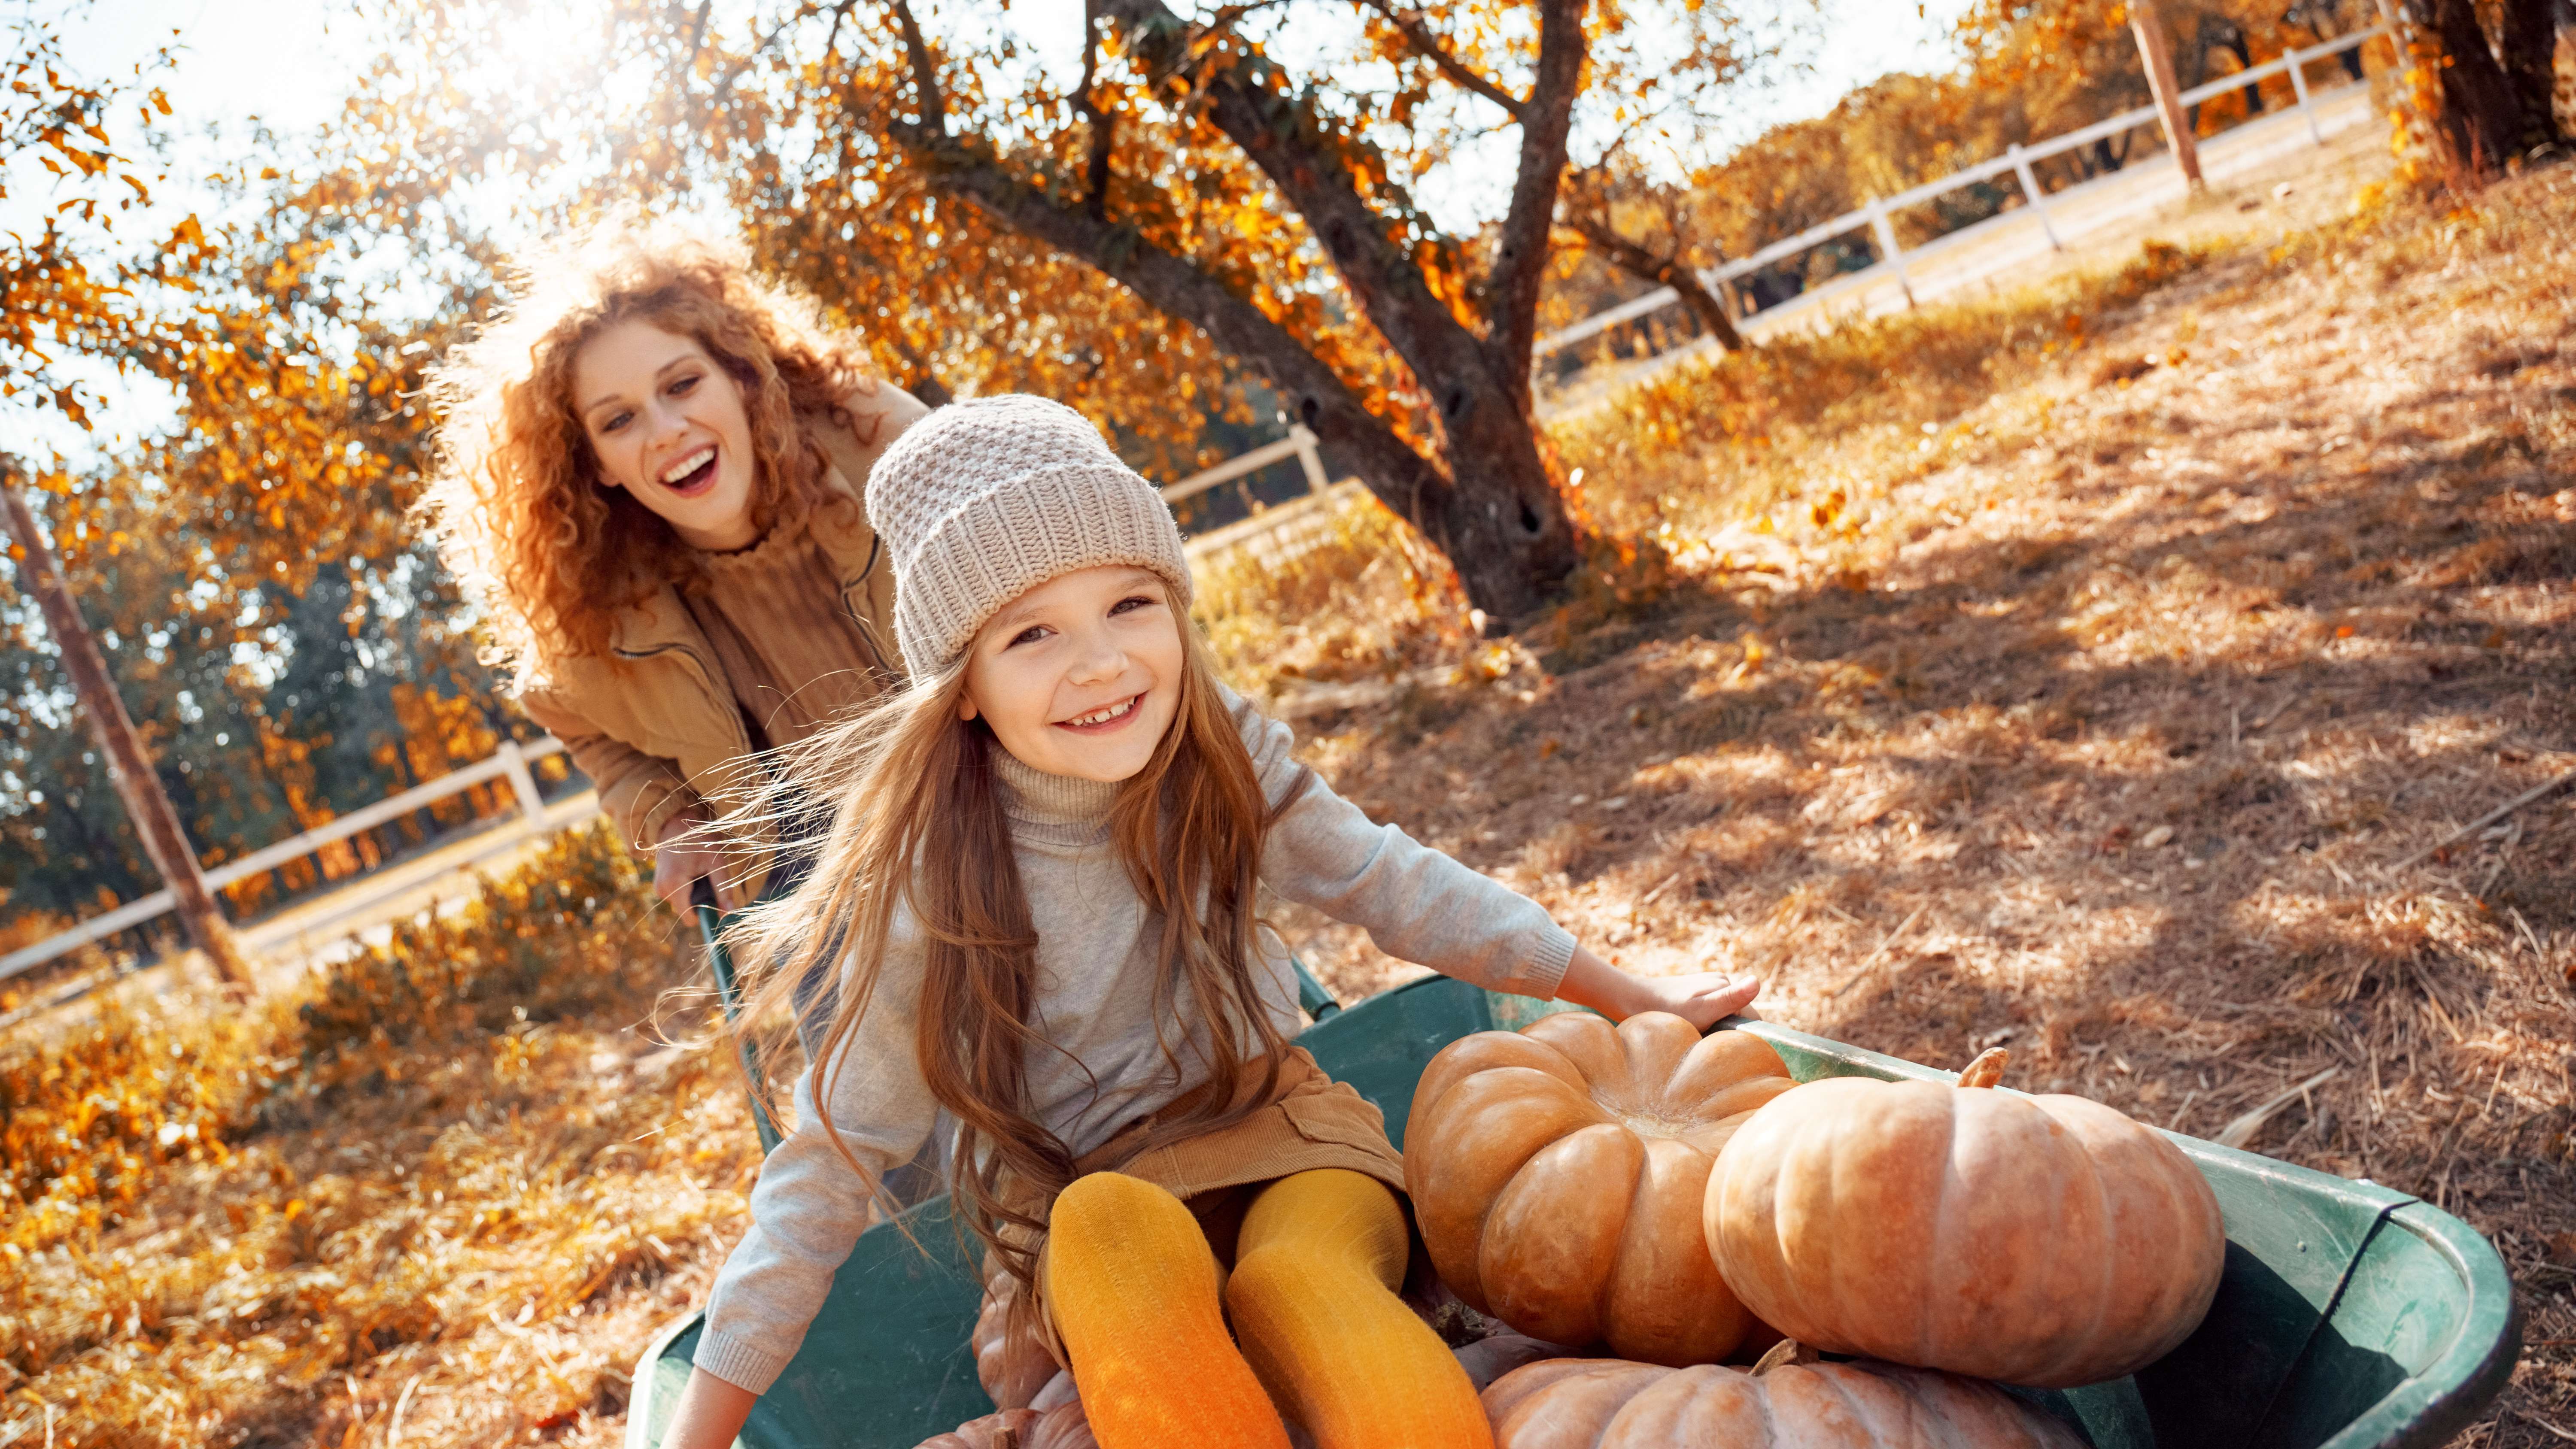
x: 2156, y: 48
x: 145, y: 802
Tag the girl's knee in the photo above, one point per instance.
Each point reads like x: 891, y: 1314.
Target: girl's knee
x: 1110, y: 1202
x: 1134, y: 1292
x: 1334, y: 1214
x: 1110, y: 1225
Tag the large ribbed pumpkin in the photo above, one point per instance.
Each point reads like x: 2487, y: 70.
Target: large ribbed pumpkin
x: 2038, y: 1240
x: 1557, y: 1174
x: 1576, y: 1403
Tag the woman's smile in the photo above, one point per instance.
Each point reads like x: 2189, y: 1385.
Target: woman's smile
x: 692, y: 475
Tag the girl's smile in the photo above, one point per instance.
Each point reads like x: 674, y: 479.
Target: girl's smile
x: 1103, y: 721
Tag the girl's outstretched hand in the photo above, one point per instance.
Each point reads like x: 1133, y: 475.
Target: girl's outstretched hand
x: 1702, y: 998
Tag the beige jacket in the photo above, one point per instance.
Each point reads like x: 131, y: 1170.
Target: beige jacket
x: 653, y: 723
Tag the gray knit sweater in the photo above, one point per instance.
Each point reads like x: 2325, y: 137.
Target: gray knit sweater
x: 1097, y: 960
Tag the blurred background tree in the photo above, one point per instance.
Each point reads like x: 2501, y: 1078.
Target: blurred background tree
x: 1217, y: 220
x: 285, y: 649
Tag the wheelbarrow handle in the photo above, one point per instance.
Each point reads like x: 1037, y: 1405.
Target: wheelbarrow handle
x: 711, y: 924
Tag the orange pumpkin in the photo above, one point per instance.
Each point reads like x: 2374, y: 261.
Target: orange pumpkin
x: 1557, y: 1174
x: 1012, y: 1367
x: 2039, y: 1240
x: 1578, y: 1403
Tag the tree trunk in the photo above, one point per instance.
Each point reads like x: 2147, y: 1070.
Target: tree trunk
x: 1500, y: 519
x: 2540, y: 39
x: 1672, y: 272
x: 1506, y: 564
x: 1495, y: 509
x: 2243, y: 49
x: 136, y: 783
x: 2481, y: 123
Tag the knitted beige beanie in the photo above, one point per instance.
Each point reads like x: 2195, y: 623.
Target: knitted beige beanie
x: 984, y: 500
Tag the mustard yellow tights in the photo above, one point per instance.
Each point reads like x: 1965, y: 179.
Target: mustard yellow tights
x: 1314, y: 1305
x: 1135, y: 1292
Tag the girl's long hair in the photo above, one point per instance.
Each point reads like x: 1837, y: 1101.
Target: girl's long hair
x: 516, y: 503
x: 918, y: 826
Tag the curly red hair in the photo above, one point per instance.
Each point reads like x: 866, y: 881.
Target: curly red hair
x: 516, y: 503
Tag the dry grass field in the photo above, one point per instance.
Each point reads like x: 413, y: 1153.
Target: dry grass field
x: 440, y: 1195
x: 2091, y: 694
x: 2080, y: 670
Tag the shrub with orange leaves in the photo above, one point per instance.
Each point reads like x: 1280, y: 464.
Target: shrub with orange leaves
x: 229, y: 1224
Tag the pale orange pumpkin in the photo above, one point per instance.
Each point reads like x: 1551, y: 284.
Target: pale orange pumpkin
x: 1012, y: 1367
x: 1557, y: 1174
x: 1577, y: 1403
x: 2045, y: 1240
x: 1062, y: 1427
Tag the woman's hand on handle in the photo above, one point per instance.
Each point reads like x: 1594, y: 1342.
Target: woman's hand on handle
x: 1703, y: 998
x: 684, y: 852
x: 710, y: 1413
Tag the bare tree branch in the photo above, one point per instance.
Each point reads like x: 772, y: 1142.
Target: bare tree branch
x: 1102, y: 123
x: 840, y: 14
x: 1520, y: 261
x: 724, y: 87
x: 1408, y: 23
x: 1506, y: 527
x: 1381, y: 272
x: 924, y: 382
x: 697, y: 33
x: 925, y: 74
x: 1230, y: 16
x: 1671, y: 271
x: 1407, y: 482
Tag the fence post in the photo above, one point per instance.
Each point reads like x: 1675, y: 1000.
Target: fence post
x: 2401, y: 32
x: 532, y: 806
x: 2299, y: 83
x: 2031, y: 193
x: 1308, y: 458
x: 1888, y: 250
x: 2156, y: 49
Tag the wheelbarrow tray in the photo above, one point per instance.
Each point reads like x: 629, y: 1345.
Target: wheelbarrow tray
x: 2348, y: 1314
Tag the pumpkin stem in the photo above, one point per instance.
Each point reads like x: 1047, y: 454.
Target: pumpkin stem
x: 1987, y: 1069
x: 1786, y: 1351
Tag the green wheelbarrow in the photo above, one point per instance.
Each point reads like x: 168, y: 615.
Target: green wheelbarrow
x: 2348, y: 1316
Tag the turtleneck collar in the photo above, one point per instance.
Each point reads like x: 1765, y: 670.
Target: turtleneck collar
x: 761, y: 558
x: 1055, y: 808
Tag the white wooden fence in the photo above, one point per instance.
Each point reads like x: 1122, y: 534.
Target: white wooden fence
x: 512, y: 761
x: 2016, y: 160
x: 2061, y: 219
x: 1300, y: 441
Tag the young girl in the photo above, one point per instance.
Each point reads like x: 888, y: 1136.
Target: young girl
x: 1043, y: 878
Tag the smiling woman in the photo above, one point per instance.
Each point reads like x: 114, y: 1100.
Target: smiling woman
x: 650, y: 479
